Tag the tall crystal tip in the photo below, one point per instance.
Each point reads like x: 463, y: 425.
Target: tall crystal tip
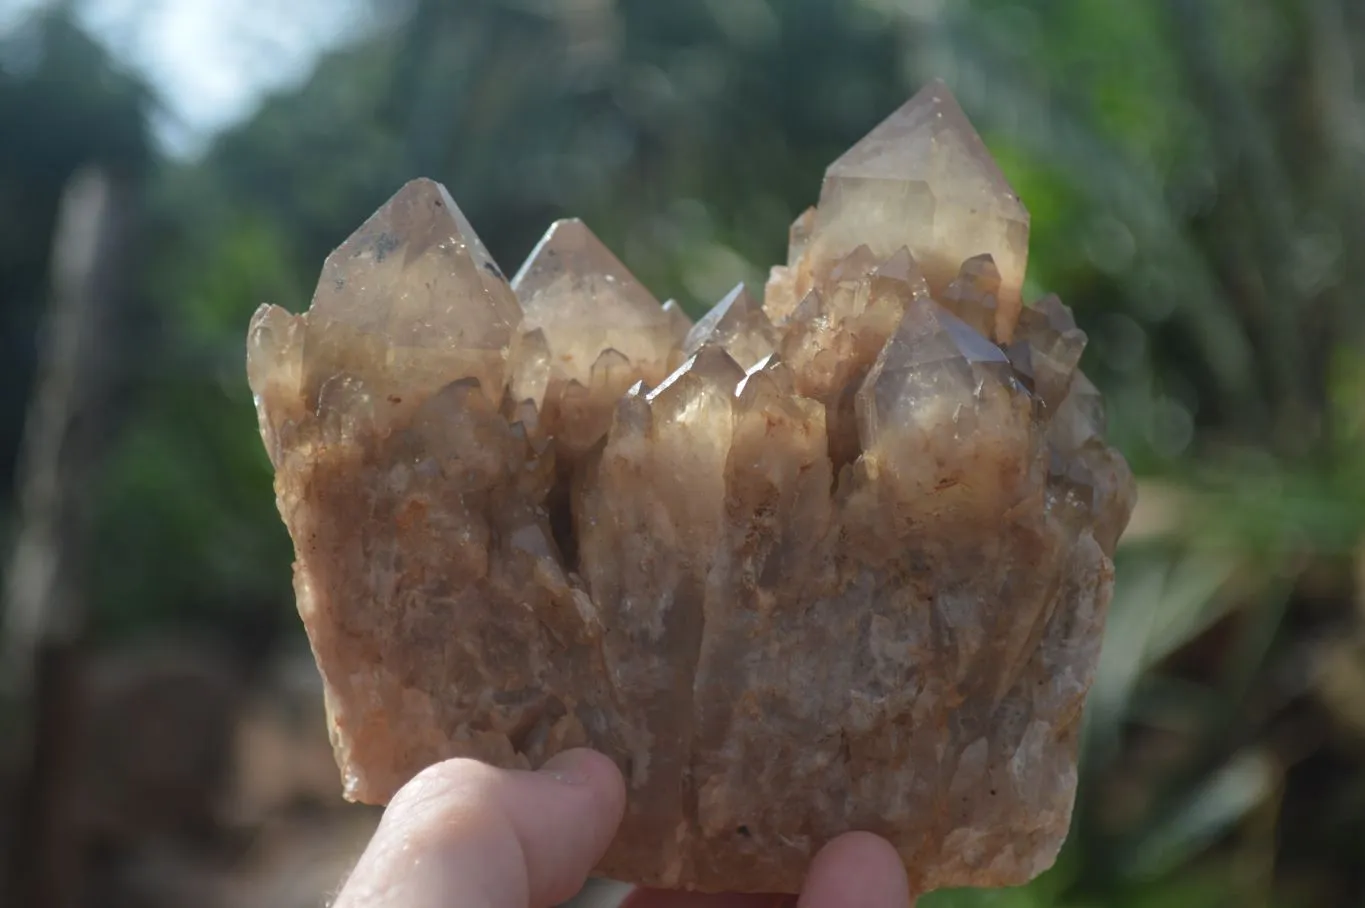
x: 570, y: 251
x: 565, y: 237
x: 906, y: 142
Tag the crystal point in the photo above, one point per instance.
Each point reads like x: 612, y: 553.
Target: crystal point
x: 1079, y: 418
x: 531, y: 367
x: 736, y: 323
x: 1053, y: 347
x: 924, y: 179
x: 902, y: 269
x: 575, y: 290
x: 711, y: 365
x: 929, y: 333
x: 974, y: 294
x: 274, y: 366
x: 936, y: 371
x: 854, y: 266
x: 416, y: 280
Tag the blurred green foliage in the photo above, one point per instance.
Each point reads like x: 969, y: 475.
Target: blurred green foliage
x: 1196, y: 174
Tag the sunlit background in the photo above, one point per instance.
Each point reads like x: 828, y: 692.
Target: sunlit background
x: 1195, y: 171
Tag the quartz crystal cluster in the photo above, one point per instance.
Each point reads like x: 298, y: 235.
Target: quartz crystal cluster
x: 835, y: 561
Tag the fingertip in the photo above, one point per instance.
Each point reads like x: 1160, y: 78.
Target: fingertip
x: 598, y: 775
x: 594, y: 777
x: 866, y: 849
x: 856, y: 870
x: 581, y: 766
x: 500, y: 837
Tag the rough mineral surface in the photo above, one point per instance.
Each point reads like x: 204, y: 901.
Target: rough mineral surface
x: 839, y: 561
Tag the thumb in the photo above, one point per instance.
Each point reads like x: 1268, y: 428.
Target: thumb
x: 465, y: 833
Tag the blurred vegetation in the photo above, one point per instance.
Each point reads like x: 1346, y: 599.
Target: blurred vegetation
x: 1196, y: 174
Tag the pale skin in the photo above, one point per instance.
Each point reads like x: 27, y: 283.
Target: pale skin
x: 465, y: 835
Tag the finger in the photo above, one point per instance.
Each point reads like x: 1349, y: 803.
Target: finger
x: 856, y: 870
x: 464, y: 833
x: 659, y: 898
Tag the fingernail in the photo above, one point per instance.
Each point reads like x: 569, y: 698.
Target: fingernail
x: 565, y: 767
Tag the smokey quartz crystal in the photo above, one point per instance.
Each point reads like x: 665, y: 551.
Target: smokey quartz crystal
x: 835, y: 561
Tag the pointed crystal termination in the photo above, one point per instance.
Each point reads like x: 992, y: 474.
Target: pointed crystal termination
x: 924, y: 179
x: 1090, y: 485
x: 891, y: 288
x: 933, y: 363
x: 1053, y: 346
x: 274, y: 366
x: 903, y: 268
x: 584, y: 412
x: 1080, y: 418
x: 531, y: 367
x: 852, y: 268
x: 941, y: 389
x: 974, y: 294
x: 737, y: 324
x: 411, y: 298
x: 585, y: 301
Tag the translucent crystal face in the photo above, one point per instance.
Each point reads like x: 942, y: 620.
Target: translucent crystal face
x: 934, y: 368
x: 837, y: 561
x: 921, y: 179
x: 738, y: 325
x: 585, y: 301
x: 412, y: 286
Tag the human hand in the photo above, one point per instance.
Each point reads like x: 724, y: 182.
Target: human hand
x: 466, y: 835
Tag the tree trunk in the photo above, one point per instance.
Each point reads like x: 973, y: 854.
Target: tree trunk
x: 64, y: 439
